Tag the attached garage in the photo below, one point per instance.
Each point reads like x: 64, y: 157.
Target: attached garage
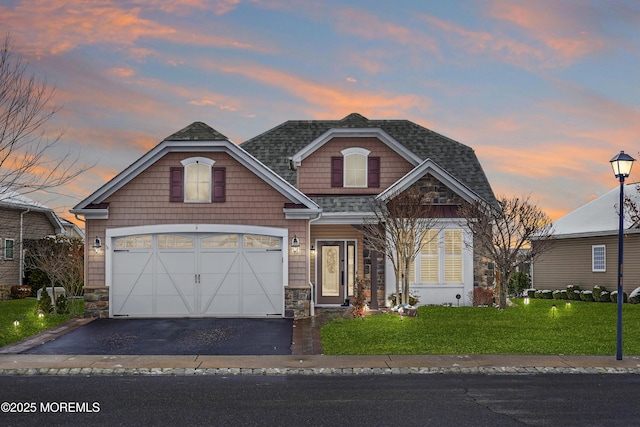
x: 188, y: 271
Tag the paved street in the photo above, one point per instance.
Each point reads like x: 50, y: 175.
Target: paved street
x: 442, y: 400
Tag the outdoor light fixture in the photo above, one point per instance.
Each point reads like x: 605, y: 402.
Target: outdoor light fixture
x: 97, y: 244
x: 295, y: 244
x: 526, y: 300
x: 313, y: 250
x: 553, y: 310
x: 40, y: 314
x: 16, y: 322
x: 621, y: 165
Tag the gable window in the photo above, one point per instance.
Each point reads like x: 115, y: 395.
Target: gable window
x: 355, y: 169
x: 598, y: 258
x: 197, y: 181
x: 8, y: 249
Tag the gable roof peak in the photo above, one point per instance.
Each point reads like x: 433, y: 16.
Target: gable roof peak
x: 197, y: 131
x: 354, y: 119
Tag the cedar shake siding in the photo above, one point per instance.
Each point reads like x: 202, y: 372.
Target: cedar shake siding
x: 569, y: 263
x: 146, y: 200
x: 321, y: 172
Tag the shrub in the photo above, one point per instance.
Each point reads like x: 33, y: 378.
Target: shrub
x: 605, y: 296
x: 518, y: 282
x: 20, y: 291
x: 614, y: 296
x: 560, y: 294
x: 544, y: 294
x: 586, y: 296
x: 359, y: 303
x: 634, y: 298
x: 413, y: 300
x: 597, y: 293
x: 62, y: 305
x: 44, y: 303
x: 531, y: 293
x: 573, y: 292
x: 482, y: 296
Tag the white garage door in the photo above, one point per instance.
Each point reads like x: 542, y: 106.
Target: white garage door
x: 197, y: 275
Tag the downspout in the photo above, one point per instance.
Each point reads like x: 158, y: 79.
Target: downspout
x: 312, y: 307
x: 21, y: 268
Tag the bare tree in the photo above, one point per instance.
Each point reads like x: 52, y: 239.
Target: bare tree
x: 503, y: 230
x: 398, y: 230
x: 61, y: 259
x: 30, y: 159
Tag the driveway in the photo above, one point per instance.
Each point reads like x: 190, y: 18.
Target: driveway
x: 211, y: 336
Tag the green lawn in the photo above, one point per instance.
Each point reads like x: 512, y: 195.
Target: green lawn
x: 536, y: 328
x: 29, y: 322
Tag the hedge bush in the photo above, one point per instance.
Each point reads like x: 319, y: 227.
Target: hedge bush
x: 573, y: 292
x: 586, y: 296
x: 614, y: 296
x: 598, y: 290
x: 560, y: 294
x: 634, y: 298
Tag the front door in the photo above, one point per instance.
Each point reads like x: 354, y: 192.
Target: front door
x: 336, y: 271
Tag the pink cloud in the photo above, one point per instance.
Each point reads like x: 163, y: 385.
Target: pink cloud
x: 566, y: 29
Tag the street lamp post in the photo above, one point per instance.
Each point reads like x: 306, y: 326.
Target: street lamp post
x: 621, y: 164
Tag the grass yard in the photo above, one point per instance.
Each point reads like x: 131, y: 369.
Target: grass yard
x: 30, y: 323
x: 536, y: 328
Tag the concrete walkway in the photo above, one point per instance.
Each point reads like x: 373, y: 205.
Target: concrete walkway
x: 305, y: 360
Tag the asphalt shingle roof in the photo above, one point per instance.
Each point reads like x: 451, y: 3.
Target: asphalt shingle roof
x: 197, y: 131
x: 274, y: 147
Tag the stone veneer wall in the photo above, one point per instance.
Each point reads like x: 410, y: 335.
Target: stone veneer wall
x: 297, y: 302
x: 377, y: 275
x: 96, y: 302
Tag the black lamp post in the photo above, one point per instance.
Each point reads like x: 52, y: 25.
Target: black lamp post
x: 621, y: 164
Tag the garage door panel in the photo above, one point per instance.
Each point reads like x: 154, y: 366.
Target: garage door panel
x: 214, y: 276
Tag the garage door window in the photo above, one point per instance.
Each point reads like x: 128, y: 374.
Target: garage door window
x: 256, y: 241
x: 170, y: 241
x: 220, y: 241
x: 134, y: 242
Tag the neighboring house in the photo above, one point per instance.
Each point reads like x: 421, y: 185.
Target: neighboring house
x: 585, y: 249
x: 21, y: 220
x: 71, y: 229
x: 200, y: 226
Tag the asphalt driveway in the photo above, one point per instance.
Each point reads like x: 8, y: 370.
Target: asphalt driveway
x: 211, y: 336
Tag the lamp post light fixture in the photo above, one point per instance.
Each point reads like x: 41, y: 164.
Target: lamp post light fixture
x: 621, y: 165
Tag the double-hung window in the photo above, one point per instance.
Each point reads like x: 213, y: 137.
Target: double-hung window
x: 8, y: 249
x: 598, y: 258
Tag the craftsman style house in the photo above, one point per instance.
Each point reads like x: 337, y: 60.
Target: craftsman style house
x: 200, y: 226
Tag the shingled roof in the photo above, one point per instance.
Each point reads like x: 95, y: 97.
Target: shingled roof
x: 275, y: 147
x: 197, y: 131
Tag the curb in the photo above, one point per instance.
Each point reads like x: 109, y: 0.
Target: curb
x: 483, y: 370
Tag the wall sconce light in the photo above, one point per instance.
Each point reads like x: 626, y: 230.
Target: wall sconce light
x: 295, y: 244
x: 313, y: 250
x: 97, y: 244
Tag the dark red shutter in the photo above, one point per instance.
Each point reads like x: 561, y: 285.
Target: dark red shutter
x: 337, y: 172
x: 374, y: 172
x: 219, y: 184
x: 176, y: 185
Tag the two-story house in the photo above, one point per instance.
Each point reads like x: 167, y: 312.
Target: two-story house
x: 200, y: 226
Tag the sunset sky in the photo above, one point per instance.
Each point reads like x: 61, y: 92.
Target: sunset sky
x: 546, y: 92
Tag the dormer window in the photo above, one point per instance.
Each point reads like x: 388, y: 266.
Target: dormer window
x: 355, y: 169
x: 197, y: 181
